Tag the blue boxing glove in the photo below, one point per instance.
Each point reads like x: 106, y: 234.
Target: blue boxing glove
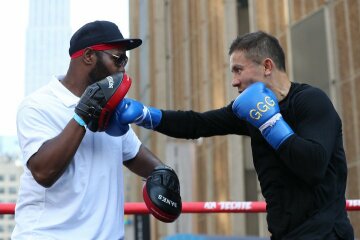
x: 132, y: 111
x: 258, y: 106
x: 115, y: 128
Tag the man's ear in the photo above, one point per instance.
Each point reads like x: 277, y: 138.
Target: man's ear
x: 89, y: 56
x: 268, y: 66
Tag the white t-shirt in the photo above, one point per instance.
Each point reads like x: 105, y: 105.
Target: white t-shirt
x: 87, y: 201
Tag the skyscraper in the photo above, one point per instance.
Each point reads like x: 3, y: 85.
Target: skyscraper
x: 48, y: 34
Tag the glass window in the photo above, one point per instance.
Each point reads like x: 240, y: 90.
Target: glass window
x: 12, y: 178
x: 243, y: 16
x: 312, y: 51
x: 12, y: 190
x: 10, y: 227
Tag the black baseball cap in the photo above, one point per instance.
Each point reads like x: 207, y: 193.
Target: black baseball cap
x: 100, y: 32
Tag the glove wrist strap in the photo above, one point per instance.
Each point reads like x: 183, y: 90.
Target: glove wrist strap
x: 79, y: 120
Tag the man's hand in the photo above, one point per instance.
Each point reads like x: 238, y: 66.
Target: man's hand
x: 115, y: 128
x: 161, y: 194
x: 258, y: 105
x: 132, y: 111
x: 99, y: 101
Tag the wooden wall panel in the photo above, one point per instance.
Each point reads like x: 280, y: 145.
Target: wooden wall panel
x: 188, y: 69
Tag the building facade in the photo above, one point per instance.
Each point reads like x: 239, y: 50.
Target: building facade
x: 183, y: 64
x: 47, y: 42
x: 10, y: 172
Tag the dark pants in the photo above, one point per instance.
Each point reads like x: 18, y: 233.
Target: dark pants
x: 333, y: 236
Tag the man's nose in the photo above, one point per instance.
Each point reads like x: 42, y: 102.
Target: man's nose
x: 235, y: 81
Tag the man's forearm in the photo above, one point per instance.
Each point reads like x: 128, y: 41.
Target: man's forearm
x: 53, y: 157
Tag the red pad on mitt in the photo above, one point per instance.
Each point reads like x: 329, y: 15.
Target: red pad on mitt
x: 115, y: 91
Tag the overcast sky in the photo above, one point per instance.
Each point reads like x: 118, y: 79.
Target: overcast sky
x: 13, y: 23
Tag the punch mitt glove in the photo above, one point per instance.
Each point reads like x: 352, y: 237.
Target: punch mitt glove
x: 134, y: 111
x: 161, y: 193
x: 258, y: 105
x: 99, y: 101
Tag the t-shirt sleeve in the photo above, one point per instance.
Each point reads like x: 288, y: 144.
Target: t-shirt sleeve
x: 308, y: 152
x: 193, y: 125
x: 33, y: 129
x: 131, y: 145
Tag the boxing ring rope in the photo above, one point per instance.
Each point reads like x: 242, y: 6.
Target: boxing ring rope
x: 199, y: 207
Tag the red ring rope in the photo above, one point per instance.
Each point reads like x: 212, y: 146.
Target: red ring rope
x: 198, y: 207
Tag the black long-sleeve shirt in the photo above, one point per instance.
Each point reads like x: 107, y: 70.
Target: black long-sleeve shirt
x: 304, y: 181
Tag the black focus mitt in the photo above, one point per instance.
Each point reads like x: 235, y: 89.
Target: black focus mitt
x: 100, y: 99
x: 161, y: 194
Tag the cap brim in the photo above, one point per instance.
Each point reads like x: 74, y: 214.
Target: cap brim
x: 128, y: 43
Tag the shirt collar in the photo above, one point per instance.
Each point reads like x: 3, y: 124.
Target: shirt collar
x: 61, y: 92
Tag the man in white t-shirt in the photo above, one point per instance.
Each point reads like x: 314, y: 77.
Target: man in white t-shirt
x: 72, y: 185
